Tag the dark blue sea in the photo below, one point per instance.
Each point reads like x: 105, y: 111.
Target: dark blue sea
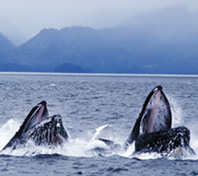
x: 92, y: 106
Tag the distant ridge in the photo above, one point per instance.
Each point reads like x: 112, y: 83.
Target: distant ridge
x: 151, y: 44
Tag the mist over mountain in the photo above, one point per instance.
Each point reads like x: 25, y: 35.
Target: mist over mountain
x: 5, y: 45
x: 158, y: 42
x: 11, y: 32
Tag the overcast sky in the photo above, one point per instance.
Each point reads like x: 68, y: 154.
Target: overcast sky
x: 23, y: 19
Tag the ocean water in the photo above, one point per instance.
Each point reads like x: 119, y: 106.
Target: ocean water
x: 92, y: 106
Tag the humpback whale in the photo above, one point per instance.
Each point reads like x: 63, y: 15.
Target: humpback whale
x: 152, y: 131
x: 39, y: 127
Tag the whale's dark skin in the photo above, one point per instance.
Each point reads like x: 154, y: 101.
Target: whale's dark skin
x: 152, y: 131
x: 40, y: 128
x: 164, y: 141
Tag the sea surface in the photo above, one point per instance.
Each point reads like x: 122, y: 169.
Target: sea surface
x: 92, y: 106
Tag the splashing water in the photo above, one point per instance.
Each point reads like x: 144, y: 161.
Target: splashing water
x: 177, y: 113
x: 7, y: 131
x: 178, y: 116
x: 74, y: 147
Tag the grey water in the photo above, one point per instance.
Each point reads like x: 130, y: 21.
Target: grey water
x: 85, y: 103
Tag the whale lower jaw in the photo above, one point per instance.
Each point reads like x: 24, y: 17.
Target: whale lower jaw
x: 165, y: 141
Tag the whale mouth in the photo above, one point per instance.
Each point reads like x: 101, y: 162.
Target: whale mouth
x: 156, y: 112
x: 36, y: 115
x: 152, y: 131
x: 155, y: 116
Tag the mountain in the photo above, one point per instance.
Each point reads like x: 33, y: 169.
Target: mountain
x: 160, y: 42
x: 5, y: 45
x: 51, y: 47
x: 71, y: 68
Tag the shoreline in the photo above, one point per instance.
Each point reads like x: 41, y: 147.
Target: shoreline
x: 99, y: 74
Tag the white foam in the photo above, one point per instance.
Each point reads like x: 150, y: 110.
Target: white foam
x: 177, y: 113
x: 129, y: 151
x: 147, y: 156
x: 7, y: 131
x: 77, y: 147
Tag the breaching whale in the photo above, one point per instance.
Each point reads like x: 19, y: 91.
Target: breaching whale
x: 152, y: 131
x: 39, y: 127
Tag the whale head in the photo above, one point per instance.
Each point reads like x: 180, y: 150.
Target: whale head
x: 152, y: 131
x: 155, y: 115
x: 40, y: 128
x: 156, y: 112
